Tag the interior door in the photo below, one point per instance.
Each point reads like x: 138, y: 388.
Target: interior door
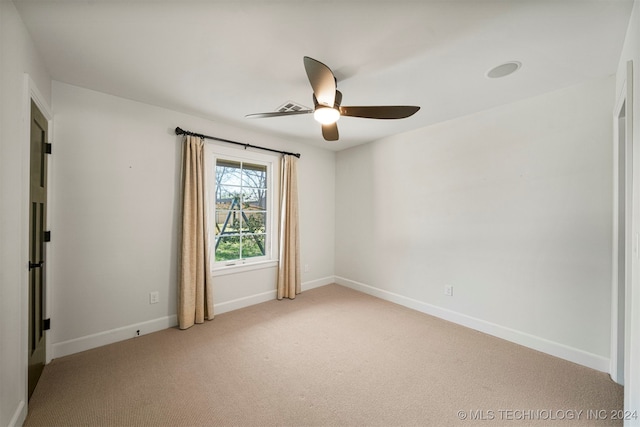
x: 37, y: 249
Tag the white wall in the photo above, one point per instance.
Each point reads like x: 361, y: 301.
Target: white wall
x: 511, y: 206
x: 115, y: 212
x: 631, y: 52
x: 17, y: 56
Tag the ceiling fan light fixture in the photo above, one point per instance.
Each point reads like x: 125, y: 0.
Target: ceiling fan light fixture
x: 326, y: 115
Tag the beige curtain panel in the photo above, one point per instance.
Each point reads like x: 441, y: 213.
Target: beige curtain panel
x: 289, y: 259
x: 196, y: 291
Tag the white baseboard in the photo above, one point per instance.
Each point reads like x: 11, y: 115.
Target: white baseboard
x: 19, y: 415
x: 224, y: 307
x: 537, y: 343
x: 247, y: 301
x: 88, y: 342
x: 556, y: 349
x: 318, y: 283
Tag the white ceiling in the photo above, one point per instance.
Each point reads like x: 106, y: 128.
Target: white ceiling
x: 224, y: 59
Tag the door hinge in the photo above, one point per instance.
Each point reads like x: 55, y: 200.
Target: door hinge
x: 33, y: 265
x: 46, y: 324
x: 47, y: 236
x: 47, y: 147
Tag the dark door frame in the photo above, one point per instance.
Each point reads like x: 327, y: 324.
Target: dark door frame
x: 31, y: 93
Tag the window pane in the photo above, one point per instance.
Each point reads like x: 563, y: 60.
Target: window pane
x: 227, y: 172
x: 254, y: 222
x: 228, y: 197
x: 253, y: 245
x: 254, y: 176
x: 227, y: 222
x: 254, y: 199
x: 220, y: 218
x: 227, y: 248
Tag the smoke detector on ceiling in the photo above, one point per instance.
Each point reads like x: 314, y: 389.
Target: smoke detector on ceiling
x: 504, y: 70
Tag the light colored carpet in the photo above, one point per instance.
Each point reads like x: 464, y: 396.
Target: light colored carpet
x: 331, y: 357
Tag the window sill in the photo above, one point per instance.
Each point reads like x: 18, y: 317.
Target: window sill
x: 241, y: 268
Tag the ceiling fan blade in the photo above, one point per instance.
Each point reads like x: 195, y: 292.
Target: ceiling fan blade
x: 338, y: 99
x: 380, y: 112
x: 330, y: 132
x: 277, y: 114
x: 322, y: 81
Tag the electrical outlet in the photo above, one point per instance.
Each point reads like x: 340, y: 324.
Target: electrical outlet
x: 154, y: 297
x: 307, y: 268
x: 448, y: 290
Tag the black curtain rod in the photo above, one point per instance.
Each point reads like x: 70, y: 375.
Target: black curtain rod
x: 186, y: 132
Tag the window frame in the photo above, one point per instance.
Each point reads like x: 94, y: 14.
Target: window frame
x: 213, y: 152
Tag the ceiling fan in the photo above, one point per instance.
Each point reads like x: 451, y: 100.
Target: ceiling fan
x: 327, y: 99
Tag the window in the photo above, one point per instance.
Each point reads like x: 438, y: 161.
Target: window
x: 241, y: 207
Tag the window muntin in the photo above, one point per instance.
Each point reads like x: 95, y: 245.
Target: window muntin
x: 242, y: 210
